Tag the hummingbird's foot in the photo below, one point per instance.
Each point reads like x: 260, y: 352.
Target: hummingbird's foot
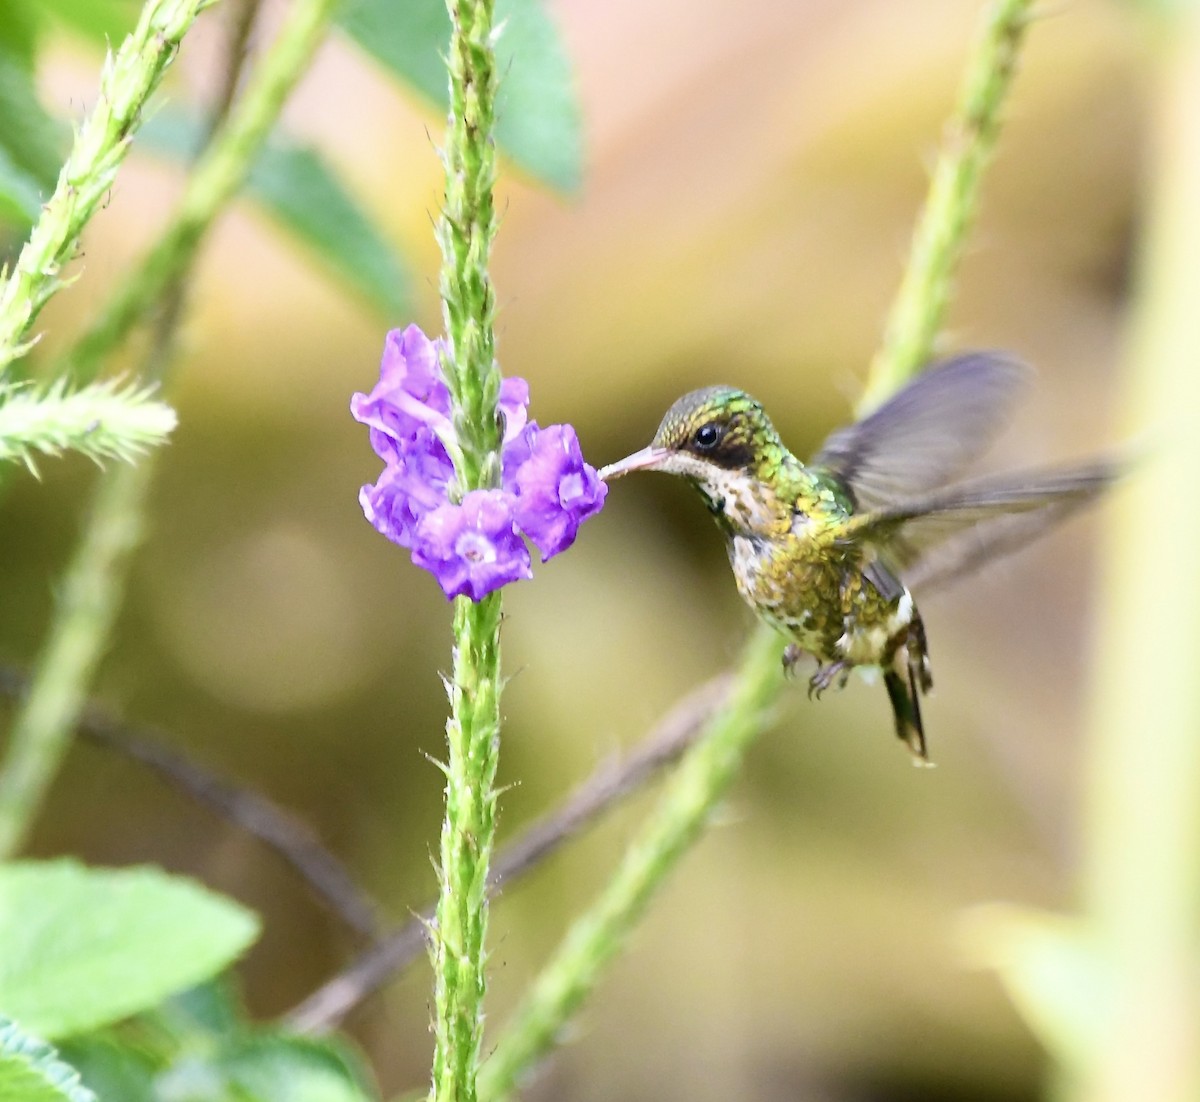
x: 827, y: 673
x: 791, y: 655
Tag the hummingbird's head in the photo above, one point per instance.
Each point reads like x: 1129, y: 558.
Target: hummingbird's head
x: 707, y: 436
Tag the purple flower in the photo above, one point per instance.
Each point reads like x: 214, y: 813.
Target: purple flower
x: 513, y: 403
x: 410, y: 393
x: 555, y: 489
x: 412, y: 361
x: 474, y: 547
x: 416, y: 481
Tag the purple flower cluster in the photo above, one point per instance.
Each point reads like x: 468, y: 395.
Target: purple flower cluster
x: 473, y: 546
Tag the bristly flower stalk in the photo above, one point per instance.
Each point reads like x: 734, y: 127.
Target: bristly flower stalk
x: 101, y: 143
x: 467, y: 478
x: 102, y: 421
x: 919, y: 309
x: 703, y: 779
x: 465, y: 234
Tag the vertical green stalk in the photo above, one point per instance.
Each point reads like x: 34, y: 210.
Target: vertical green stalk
x: 93, y: 587
x: 706, y: 773
x: 86, y: 608
x: 919, y: 309
x: 683, y: 812
x: 465, y: 234
x: 127, y: 82
x: 1142, y: 807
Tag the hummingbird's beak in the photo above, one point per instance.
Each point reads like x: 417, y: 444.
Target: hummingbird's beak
x: 648, y: 459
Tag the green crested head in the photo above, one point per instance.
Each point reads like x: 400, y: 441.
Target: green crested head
x: 709, y: 432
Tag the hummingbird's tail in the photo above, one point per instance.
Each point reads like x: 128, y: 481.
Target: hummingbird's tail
x: 907, y: 678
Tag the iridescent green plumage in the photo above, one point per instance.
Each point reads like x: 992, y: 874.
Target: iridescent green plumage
x: 818, y: 550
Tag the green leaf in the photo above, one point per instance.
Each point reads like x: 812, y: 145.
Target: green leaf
x: 299, y: 1069
x: 205, y: 1013
x: 112, y: 1069
x: 86, y: 947
x: 1052, y: 972
x: 30, y: 1070
x: 199, y: 1047
x: 537, y: 110
x: 295, y: 186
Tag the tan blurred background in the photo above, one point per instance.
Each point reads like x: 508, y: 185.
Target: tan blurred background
x: 753, y: 171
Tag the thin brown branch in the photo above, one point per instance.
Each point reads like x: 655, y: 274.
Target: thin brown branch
x: 608, y: 786
x: 173, y: 303
x: 242, y: 19
x: 282, y: 831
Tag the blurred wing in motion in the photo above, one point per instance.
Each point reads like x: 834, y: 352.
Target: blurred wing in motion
x: 936, y: 539
x: 927, y: 433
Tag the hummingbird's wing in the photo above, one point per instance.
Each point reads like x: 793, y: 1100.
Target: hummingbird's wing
x: 946, y: 534
x: 926, y: 434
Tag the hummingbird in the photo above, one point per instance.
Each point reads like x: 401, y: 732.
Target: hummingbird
x: 826, y: 551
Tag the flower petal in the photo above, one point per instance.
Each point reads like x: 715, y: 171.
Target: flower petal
x: 475, y: 546
x: 555, y: 489
x: 410, y: 393
x: 513, y: 404
x: 472, y: 548
x: 414, y: 482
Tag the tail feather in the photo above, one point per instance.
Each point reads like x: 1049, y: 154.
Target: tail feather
x: 907, y: 708
x: 907, y: 678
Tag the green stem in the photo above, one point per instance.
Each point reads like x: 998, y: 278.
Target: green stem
x: 129, y: 78
x: 706, y: 772
x: 465, y: 235
x: 102, y: 421
x: 919, y: 309
x: 678, y: 820
x: 86, y: 608
x: 217, y: 175
x: 1141, y: 863
x: 94, y: 585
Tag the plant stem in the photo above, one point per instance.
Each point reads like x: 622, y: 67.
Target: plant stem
x: 94, y: 585
x: 677, y: 821
x: 706, y: 773
x: 1141, y: 830
x: 609, y: 784
x: 86, y: 608
x: 102, y: 421
x: 129, y: 78
x: 919, y: 309
x: 216, y: 177
x: 465, y: 234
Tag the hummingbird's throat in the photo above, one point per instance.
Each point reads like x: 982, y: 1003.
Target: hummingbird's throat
x: 740, y: 502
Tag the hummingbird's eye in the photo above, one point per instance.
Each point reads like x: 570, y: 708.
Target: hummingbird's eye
x: 706, y: 436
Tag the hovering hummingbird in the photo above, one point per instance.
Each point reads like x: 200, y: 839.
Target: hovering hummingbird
x: 818, y: 550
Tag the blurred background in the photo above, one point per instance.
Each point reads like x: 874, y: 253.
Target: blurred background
x: 752, y: 173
